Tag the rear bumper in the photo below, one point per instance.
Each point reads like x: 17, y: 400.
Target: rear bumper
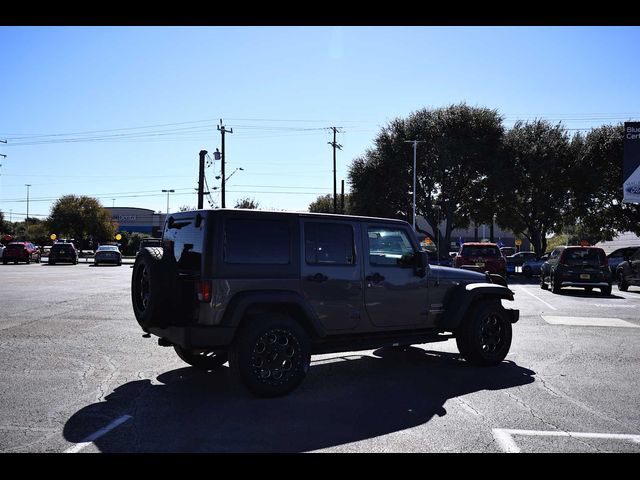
x: 62, y: 259
x: 197, y: 337
x: 107, y: 260
x: 570, y: 283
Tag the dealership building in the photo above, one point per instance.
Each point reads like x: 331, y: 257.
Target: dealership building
x: 134, y: 219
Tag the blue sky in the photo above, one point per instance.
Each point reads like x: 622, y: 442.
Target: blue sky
x: 152, y: 96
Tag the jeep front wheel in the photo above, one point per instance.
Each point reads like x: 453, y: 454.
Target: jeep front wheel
x: 201, y: 359
x: 484, y: 337
x: 270, y: 355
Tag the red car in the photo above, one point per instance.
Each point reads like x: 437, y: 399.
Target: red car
x: 20, y: 252
x: 482, y: 257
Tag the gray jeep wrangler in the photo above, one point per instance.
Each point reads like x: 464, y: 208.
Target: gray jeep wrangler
x: 266, y: 290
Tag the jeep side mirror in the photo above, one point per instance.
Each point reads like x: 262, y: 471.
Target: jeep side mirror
x: 420, y: 263
x: 422, y: 259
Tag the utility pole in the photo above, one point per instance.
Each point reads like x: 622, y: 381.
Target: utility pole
x: 415, y: 145
x: 203, y: 153
x: 222, y: 129
x: 335, y: 145
x: 27, y: 185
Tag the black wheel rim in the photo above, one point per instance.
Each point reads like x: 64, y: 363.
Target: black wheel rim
x: 492, y: 333
x: 276, y: 357
x: 142, y: 298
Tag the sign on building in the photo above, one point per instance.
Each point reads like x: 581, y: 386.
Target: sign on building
x: 631, y: 169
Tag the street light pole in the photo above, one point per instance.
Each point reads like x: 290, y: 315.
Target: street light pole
x: 415, y: 145
x: 168, y: 192
x: 27, y: 185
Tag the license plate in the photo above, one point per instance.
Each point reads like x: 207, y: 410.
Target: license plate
x: 585, y: 276
x: 479, y: 264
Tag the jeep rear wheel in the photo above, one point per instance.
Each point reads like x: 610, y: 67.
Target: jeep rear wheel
x: 484, y: 337
x: 271, y: 355
x: 202, y: 359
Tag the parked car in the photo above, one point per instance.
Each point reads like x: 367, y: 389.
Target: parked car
x: 316, y: 283
x: 149, y: 242
x: 2, y: 247
x: 508, y: 251
x: 108, y: 254
x: 20, y: 252
x: 442, y: 261
x: 517, y: 260
x: 628, y: 272
x: 620, y: 255
x: 481, y: 257
x: 63, y: 252
x: 585, y: 267
x: 532, y: 267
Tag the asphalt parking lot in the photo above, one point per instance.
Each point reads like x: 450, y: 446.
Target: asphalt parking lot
x: 78, y: 377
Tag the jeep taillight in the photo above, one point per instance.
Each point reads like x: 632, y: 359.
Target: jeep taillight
x: 204, y: 291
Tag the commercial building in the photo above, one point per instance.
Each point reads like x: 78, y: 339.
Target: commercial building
x: 134, y: 219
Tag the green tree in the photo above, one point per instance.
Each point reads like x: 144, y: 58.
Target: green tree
x: 247, y: 203
x: 596, y: 208
x: 5, y: 226
x: 131, y: 242
x: 459, y: 144
x: 81, y: 217
x: 535, y: 182
x: 324, y: 204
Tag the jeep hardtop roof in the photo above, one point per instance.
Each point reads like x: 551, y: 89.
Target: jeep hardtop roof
x: 249, y: 211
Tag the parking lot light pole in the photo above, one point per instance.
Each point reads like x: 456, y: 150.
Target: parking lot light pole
x: 415, y: 145
x: 168, y: 192
x: 27, y: 185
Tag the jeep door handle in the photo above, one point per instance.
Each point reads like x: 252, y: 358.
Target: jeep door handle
x: 318, y: 277
x: 375, y: 278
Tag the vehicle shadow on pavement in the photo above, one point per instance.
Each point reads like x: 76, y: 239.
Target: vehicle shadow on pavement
x: 344, y: 399
x: 595, y: 293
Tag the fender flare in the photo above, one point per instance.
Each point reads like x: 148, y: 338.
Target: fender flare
x: 243, y: 302
x: 462, y: 298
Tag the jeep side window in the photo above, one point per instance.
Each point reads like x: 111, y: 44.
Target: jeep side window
x: 328, y: 244
x: 257, y: 241
x: 388, y: 245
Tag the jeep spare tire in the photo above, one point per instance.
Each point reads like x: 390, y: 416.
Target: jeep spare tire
x: 152, y: 287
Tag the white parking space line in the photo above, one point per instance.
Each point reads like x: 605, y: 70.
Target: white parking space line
x: 504, y: 437
x: 94, y: 436
x: 536, y: 297
x: 588, y: 321
x: 613, y: 305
